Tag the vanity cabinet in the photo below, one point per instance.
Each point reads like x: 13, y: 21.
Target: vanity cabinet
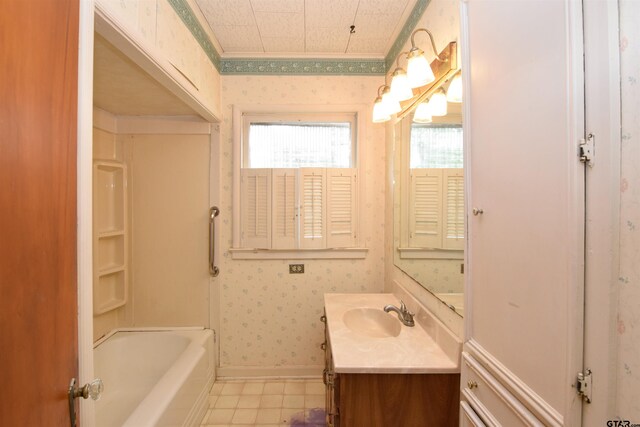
x: 384, y: 399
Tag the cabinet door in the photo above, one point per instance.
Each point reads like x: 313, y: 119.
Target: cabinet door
x: 523, y: 121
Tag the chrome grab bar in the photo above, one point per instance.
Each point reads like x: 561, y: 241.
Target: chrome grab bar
x: 213, y: 270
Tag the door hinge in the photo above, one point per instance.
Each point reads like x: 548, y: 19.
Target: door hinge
x: 587, y: 149
x: 583, y: 385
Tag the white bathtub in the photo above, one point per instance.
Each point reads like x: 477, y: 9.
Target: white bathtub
x: 154, y: 378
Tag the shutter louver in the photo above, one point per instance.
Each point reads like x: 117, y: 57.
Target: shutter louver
x: 256, y: 208
x: 284, y: 209
x: 341, y: 208
x: 425, y: 214
x: 312, y: 210
x: 454, y: 209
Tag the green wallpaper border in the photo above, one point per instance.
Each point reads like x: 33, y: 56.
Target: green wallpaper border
x: 288, y: 66
x: 184, y: 11
x: 296, y: 66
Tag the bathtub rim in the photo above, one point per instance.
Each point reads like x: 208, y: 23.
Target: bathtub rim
x: 112, y: 332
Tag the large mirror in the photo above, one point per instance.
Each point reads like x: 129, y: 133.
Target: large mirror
x: 428, y: 196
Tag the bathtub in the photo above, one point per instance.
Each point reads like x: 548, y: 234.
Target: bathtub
x: 154, y: 377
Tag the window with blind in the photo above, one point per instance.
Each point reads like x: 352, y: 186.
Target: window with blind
x: 298, y: 181
x: 436, y: 189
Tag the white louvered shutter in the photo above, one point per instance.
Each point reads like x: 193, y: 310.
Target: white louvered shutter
x: 284, y: 219
x: 255, y: 211
x: 313, y: 196
x: 425, y: 210
x: 341, y: 208
x: 453, y: 203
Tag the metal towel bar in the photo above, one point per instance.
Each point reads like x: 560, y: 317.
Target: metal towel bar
x: 213, y: 270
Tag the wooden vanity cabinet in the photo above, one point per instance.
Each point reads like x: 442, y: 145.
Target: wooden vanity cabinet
x: 388, y: 400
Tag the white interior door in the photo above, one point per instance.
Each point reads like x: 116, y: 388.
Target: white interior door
x: 524, y: 118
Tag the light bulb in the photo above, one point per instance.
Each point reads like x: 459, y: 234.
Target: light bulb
x: 419, y: 71
x: 400, y: 88
x: 454, y: 93
x: 438, y: 103
x: 391, y: 105
x: 379, y: 115
x: 422, y: 113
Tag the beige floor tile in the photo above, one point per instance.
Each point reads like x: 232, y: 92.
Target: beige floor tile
x: 268, y: 416
x: 293, y: 401
x: 314, y: 388
x: 273, y: 388
x: 314, y: 401
x: 220, y: 416
x: 232, y: 388
x: 249, y: 402
x: 244, y: 416
x: 271, y: 401
x: 215, y: 390
x: 212, y: 401
x: 226, y: 402
x: 294, y: 388
x: 288, y: 413
x: 253, y: 388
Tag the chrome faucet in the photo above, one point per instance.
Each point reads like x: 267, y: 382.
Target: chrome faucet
x: 405, y: 316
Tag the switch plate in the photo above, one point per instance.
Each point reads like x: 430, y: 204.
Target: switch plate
x: 296, y: 268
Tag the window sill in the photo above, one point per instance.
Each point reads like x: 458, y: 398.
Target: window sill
x: 343, y: 253
x: 426, y: 253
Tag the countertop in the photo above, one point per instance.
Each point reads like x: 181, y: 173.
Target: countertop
x: 412, y: 351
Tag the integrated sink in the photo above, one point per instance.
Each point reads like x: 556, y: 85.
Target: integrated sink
x: 371, y: 322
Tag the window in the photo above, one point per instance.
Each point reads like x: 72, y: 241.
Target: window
x: 297, y: 183
x: 435, y: 202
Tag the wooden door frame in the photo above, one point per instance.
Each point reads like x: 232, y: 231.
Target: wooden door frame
x: 602, y: 98
x: 85, y: 206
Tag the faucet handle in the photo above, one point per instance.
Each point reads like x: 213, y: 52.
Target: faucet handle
x: 404, y: 309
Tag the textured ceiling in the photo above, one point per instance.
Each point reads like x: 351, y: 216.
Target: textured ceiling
x: 306, y: 27
x: 123, y: 88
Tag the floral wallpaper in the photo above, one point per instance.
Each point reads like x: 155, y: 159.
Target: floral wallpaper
x: 269, y: 317
x: 628, y: 406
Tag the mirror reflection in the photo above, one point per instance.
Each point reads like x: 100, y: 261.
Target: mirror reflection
x: 429, y: 202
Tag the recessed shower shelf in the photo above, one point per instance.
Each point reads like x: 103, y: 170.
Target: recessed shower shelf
x: 110, y: 236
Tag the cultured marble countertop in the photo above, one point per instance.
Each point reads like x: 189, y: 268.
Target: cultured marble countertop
x: 412, y: 351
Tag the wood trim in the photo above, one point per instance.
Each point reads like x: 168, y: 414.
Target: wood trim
x: 442, y: 70
x: 347, y: 253
x: 85, y: 207
x: 530, y: 399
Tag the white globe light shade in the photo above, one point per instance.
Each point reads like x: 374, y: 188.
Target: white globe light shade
x: 454, y: 93
x: 400, y: 88
x: 419, y: 71
x: 379, y: 115
x: 391, y: 105
x: 422, y: 113
x: 438, y: 103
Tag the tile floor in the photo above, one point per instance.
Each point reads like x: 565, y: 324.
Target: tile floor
x: 266, y: 403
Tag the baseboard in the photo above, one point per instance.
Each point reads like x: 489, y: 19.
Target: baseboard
x: 304, y: 371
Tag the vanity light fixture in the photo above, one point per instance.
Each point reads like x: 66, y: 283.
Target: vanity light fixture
x: 400, y: 88
x: 391, y: 104
x: 438, y: 103
x: 454, y: 93
x: 379, y: 113
x: 422, y: 113
x: 419, y: 71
